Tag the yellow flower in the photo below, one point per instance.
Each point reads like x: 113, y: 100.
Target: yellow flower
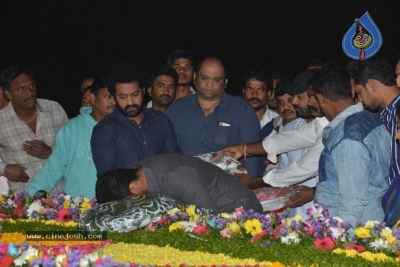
x: 175, y: 226
x: 387, y: 233
x: 234, y: 227
x: 367, y: 255
x: 173, y: 211
x: 193, y: 216
x: 277, y: 264
x: 351, y: 253
x: 253, y: 226
x: 381, y: 257
x: 225, y: 215
x: 84, y: 206
x: 297, y: 218
x: 338, y: 251
x: 362, y: 232
x: 370, y: 224
x: 67, y: 203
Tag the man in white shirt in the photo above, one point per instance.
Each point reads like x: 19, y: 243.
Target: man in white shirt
x: 257, y: 90
x: 308, y: 136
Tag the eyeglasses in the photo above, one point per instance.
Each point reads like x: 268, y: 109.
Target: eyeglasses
x: 216, y: 80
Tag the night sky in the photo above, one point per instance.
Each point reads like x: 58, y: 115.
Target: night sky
x: 66, y: 41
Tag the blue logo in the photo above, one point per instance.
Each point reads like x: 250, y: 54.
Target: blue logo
x: 363, y: 39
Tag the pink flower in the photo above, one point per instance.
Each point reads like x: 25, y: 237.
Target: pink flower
x: 226, y: 232
x: 163, y: 220
x: 238, y: 212
x: 63, y: 215
x: 259, y: 236
x: 201, y: 230
x: 150, y: 227
x: 3, y: 249
x: 356, y: 247
x: 46, y: 201
x: 324, y: 244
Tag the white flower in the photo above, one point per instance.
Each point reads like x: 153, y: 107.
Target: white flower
x: 67, y: 197
x: 336, y: 232
x: 11, y: 203
x: 25, y: 256
x: 35, y: 206
x: 290, y: 238
x: 77, y: 200
x: 59, y: 260
x: 188, y: 226
x: 379, y: 244
x: 338, y: 219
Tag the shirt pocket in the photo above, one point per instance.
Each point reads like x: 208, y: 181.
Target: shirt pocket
x: 221, y: 136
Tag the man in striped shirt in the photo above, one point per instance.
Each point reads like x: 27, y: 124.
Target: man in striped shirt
x: 375, y: 83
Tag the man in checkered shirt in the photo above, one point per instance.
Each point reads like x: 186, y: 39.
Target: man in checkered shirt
x: 28, y: 128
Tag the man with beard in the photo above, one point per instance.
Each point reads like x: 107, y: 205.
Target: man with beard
x: 131, y: 132
x: 72, y: 156
x: 257, y: 91
x: 375, y: 84
x: 162, y: 88
x: 28, y: 127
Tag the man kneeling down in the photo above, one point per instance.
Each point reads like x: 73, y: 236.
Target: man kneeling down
x: 186, y: 179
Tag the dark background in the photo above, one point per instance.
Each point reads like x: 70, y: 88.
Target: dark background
x: 66, y: 41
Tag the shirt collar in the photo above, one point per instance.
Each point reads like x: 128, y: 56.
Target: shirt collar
x: 10, y: 111
x: 392, y: 105
x: 345, y: 113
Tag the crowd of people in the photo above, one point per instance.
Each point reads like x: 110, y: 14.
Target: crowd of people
x: 330, y: 134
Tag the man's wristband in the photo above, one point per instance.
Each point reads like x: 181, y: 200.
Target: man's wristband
x: 313, y: 190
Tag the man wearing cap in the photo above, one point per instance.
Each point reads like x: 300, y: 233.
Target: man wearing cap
x: 308, y: 136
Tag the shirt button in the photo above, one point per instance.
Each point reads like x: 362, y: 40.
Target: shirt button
x: 144, y: 143
x: 140, y: 127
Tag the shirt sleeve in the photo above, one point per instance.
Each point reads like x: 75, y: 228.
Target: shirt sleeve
x: 104, y: 150
x: 54, y: 168
x: 171, y: 145
x: 286, y: 141
x: 189, y: 191
x: 299, y: 171
x: 250, y: 132
x: 353, y: 182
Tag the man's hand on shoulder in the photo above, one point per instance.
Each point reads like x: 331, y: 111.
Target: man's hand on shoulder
x: 16, y: 173
x: 37, y: 149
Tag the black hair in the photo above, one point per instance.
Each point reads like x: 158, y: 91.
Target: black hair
x: 332, y: 82
x: 210, y: 58
x: 259, y: 75
x: 167, y: 71
x: 12, y: 72
x: 276, y: 74
x: 180, y: 53
x: 125, y: 72
x: 98, y: 83
x: 318, y: 61
x: 350, y: 68
x: 374, y: 68
x: 280, y: 87
x: 114, y: 184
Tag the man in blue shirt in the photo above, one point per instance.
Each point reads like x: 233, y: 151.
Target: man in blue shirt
x: 375, y: 83
x: 354, y: 163
x: 211, y: 119
x: 131, y: 132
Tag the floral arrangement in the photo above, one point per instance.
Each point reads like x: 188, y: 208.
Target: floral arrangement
x: 62, y: 208
x: 372, y: 241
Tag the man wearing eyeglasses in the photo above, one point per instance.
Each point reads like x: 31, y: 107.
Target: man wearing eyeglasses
x: 212, y: 119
